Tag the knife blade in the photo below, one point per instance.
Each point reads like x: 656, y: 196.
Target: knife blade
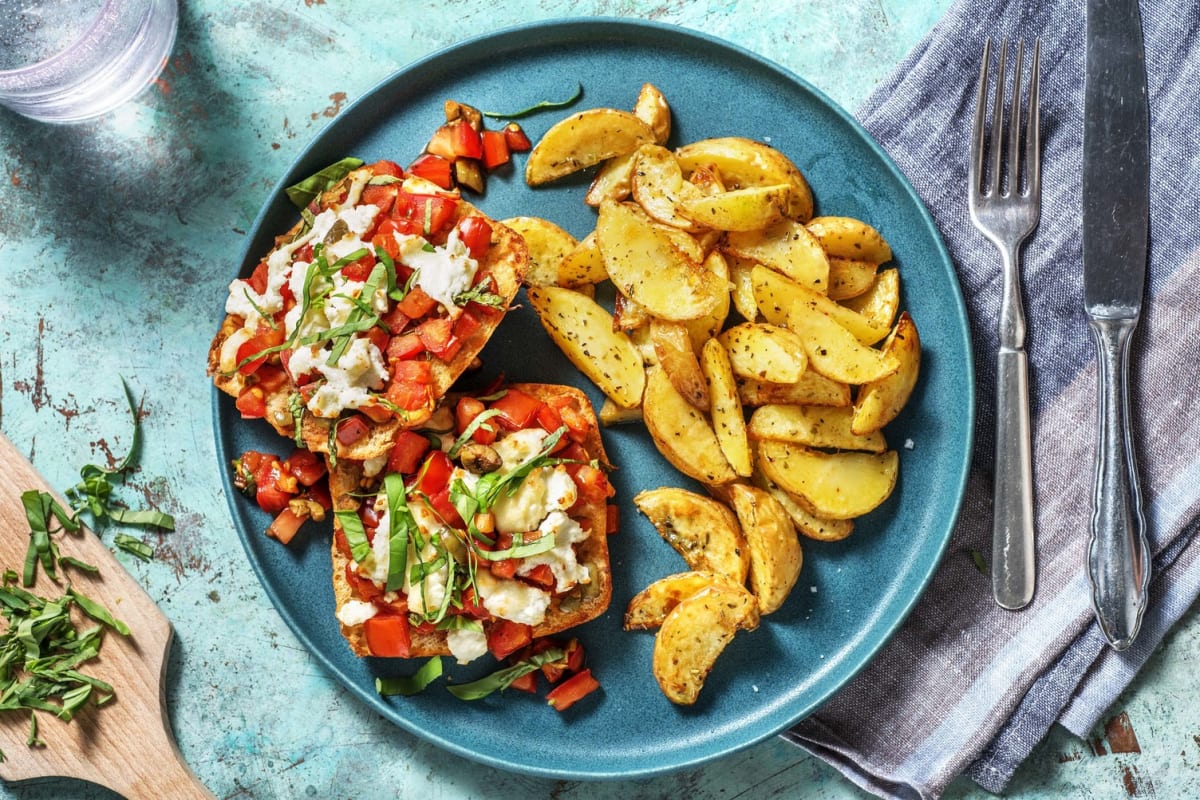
x: 1116, y: 203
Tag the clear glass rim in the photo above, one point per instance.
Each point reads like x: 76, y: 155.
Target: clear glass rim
x: 52, y: 61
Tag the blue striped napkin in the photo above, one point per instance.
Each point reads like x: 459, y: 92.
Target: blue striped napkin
x: 965, y: 686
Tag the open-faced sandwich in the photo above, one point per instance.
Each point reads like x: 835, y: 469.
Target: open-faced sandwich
x: 484, y: 530
x: 364, y: 314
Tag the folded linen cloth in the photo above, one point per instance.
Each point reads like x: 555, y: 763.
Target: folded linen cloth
x: 966, y: 686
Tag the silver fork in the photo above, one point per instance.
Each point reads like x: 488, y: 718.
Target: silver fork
x: 1006, y: 209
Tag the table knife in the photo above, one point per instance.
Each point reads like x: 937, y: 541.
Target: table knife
x: 1116, y: 201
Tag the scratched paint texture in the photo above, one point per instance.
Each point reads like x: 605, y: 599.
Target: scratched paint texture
x: 117, y: 239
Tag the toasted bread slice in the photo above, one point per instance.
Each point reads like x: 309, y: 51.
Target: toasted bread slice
x: 505, y: 263
x: 582, y: 603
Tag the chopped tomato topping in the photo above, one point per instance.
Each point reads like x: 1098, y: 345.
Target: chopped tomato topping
x: 306, y: 466
x: 541, y: 576
x: 385, y: 240
x: 269, y: 494
x: 465, y: 412
x: 411, y: 387
x: 423, y: 214
x: 517, y: 409
x: 592, y: 482
x: 386, y: 167
x: 319, y: 494
x: 504, y: 569
x: 416, y: 303
x: 433, y: 168
x: 404, y: 347
x: 383, y: 196
x: 496, y: 152
x: 476, y: 234
x: 525, y: 683
x: 471, y: 605
x: 572, y: 690
x: 505, y: 637
x: 271, y: 378
x: 258, y: 278
x: 252, y: 403
x: 407, y: 452
x: 388, y: 635
x: 437, y: 334
x: 517, y: 139
x: 468, y: 322
x: 435, y: 473
x: 360, y: 270
x: 352, y: 429
x: 363, y: 588
x: 285, y: 525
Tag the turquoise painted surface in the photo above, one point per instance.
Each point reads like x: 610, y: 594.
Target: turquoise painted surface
x: 117, y: 239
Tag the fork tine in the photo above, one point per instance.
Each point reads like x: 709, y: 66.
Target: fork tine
x: 1014, y: 124
x: 1033, y: 149
x: 975, y: 169
x: 997, y: 117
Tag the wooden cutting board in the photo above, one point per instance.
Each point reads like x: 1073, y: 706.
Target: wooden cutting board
x: 125, y: 745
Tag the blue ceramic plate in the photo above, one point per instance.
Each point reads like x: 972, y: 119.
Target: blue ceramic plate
x: 852, y: 595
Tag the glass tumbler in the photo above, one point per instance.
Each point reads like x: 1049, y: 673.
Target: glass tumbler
x: 72, y: 60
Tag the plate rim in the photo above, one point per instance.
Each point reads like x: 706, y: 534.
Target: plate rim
x: 597, y: 28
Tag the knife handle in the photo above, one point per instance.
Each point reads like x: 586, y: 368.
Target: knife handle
x: 1013, y: 563
x: 1118, y: 554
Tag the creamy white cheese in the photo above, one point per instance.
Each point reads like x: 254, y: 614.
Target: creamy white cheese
x: 442, y: 272
x: 545, y: 489
x: 466, y: 645
x: 511, y: 600
x: 567, y: 570
x: 348, y: 383
x: 374, y: 466
x: 519, y: 446
x: 356, y: 612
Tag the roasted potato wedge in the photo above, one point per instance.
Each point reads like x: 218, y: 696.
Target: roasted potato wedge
x: 651, y: 107
x: 644, y: 264
x: 776, y: 294
x: 775, y: 554
x: 833, y: 485
x: 728, y: 418
x: 807, y: 523
x: 582, y: 265
x: 881, y: 302
x: 692, y: 636
x: 548, y: 244
x: 835, y: 352
x: 682, y: 433
x: 879, y: 402
x: 811, y: 390
x: 583, y: 330
x: 744, y: 162
x: 765, y: 352
x: 673, y: 348
x: 814, y: 426
x: 749, y: 209
x: 650, y: 606
x: 612, y: 414
x: 702, y: 530
x: 785, y: 247
x: 583, y: 140
x: 613, y: 181
x: 706, y: 327
x: 742, y: 287
x: 847, y: 237
x: 849, y: 278
x: 658, y: 185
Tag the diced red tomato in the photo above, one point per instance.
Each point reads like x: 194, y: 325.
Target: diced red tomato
x: 271, y: 378
x: 388, y: 635
x: 517, y: 409
x: 525, y: 683
x: 437, y: 334
x: 435, y: 473
x: 550, y: 421
x: 496, y: 152
x: 471, y: 606
x: 258, y: 278
x: 444, y: 508
x: 423, y: 214
x: 574, y: 655
x: 394, y: 320
x: 343, y: 546
x: 386, y: 167
x: 363, y: 588
x: 541, y: 576
x: 404, y: 347
x: 505, y: 568
x: 247, y: 349
x: 319, y: 493
x: 285, y: 525
x: 385, y: 240
x: 572, y: 690
x: 252, y: 403
x: 573, y: 452
x: 376, y: 412
x: 592, y: 482
x: 407, y: 452
x: 360, y: 270
x: 468, y: 322
x: 476, y: 234
x: 465, y: 412
x: 352, y: 429
x: 305, y: 466
x: 382, y: 196
x: 411, y: 387
x: 441, y: 144
x: 269, y: 494
x: 505, y: 637
x: 416, y: 304
x: 433, y: 168
x: 518, y: 141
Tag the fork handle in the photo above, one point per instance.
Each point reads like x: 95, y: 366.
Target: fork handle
x: 1118, y: 553
x: 1013, y: 563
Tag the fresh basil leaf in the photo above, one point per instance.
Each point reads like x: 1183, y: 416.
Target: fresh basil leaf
x: 407, y: 686
x: 356, y: 534
x: 501, y: 679
x: 133, y: 546
x: 98, y: 612
x: 469, y: 431
x: 304, y: 192
x: 540, y: 106
x: 399, y: 520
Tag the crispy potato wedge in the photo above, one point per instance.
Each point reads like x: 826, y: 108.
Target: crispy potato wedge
x: 650, y: 606
x: 613, y: 181
x: 583, y: 265
x: 673, y: 347
x: 651, y: 107
x: 835, y: 352
x: 749, y: 209
x: 833, y: 485
x: 682, y: 433
x: 881, y: 302
x: 702, y: 530
x: 879, y: 402
x: 744, y: 162
x: 701, y: 329
x: 629, y: 315
x: 776, y: 294
x: 765, y: 352
x: 814, y: 426
x: 548, y: 244
x: 785, y: 247
x: 583, y: 330
x: 742, y: 287
x: 694, y: 634
x: 658, y: 185
x: 647, y: 266
x: 612, y: 414
x: 775, y: 553
x: 847, y: 237
x: 849, y: 278
x: 807, y: 523
x: 728, y: 419
x: 812, y: 389
x: 583, y: 140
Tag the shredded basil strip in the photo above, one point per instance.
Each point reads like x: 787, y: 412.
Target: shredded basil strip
x: 478, y: 294
x: 399, y: 520
x: 407, y: 686
x: 383, y: 180
x: 42, y: 548
x: 259, y: 309
x: 71, y: 561
x: 540, y: 106
x: 133, y: 546
x: 356, y: 534
x: 97, y: 612
x: 503, y: 678
x: 389, y: 266
x: 469, y: 431
x: 318, y: 266
x: 296, y: 407
x: 362, y: 318
x: 305, y: 191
